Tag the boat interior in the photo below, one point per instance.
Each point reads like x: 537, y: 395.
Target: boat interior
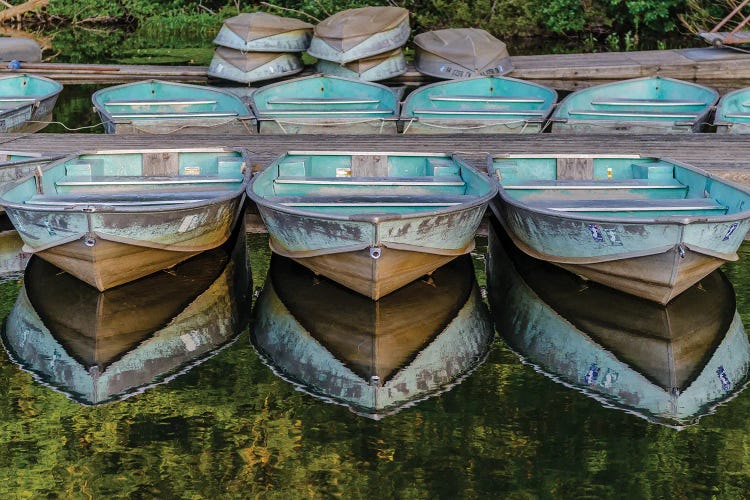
x: 153, y: 99
x: 326, y: 96
x: 16, y: 91
x: 648, y: 99
x: 133, y: 179
x: 481, y: 98
x: 369, y: 183
x: 735, y: 107
x: 615, y: 186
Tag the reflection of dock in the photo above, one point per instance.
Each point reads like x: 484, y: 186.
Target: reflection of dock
x: 720, y: 68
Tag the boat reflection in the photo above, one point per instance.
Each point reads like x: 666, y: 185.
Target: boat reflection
x: 98, y: 347
x: 376, y: 357
x: 669, y: 364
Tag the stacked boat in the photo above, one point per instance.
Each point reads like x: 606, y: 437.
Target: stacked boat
x: 259, y: 46
x: 364, y: 43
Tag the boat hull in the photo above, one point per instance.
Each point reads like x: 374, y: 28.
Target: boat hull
x: 464, y: 126
x: 653, y: 260
x: 625, y: 127
x: 350, y: 251
x: 356, y: 126
x: 212, y: 126
x: 389, y: 68
x: 106, y: 249
x: 375, y: 44
x: 284, y: 65
x: 290, y: 41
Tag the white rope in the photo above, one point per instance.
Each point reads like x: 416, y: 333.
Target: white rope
x: 281, y: 123
x: 509, y: 124
x: 65, y: 126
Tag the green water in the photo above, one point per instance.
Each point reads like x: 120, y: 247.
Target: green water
x: 230, y: 427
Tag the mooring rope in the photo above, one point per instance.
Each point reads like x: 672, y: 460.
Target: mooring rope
x: 281, y: 123
x: 65, y: 126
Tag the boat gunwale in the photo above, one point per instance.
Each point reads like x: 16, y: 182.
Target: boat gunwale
x: 474, y: 202
x: 722, y: 104
x: 106, y: 208
x: 426, y: 89
x: 663, y: 220
x: 38, y: 98
x: 102, y: 109
x: 555, y: 117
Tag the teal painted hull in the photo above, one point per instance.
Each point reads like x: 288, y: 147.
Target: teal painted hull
x: 27, y: 102
x: 655, y: 254
x: 642, y: 105
x: 326, y: 104
x: 733, y: 113
x: 375, y: 358
x: 487, y: 105
x: 102, y: 347
x: 156, y: 107
x: 670, y: 365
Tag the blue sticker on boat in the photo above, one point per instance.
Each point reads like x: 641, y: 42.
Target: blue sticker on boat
x: 596, y: 232
x: 730, y: 231
x: 591, y: 375
x: 726, y: 384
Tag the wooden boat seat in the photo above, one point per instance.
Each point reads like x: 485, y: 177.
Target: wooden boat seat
x: 318, y: 101
x: 624, y: 101
x: 489, y: 98
x: 681, y: 206
x: 122, y: 199
x: 441, y: 180
x: 632, y: 114
x: 613, y: 184
x: 157, y: 102
x: 202, y: 114
x: 479, y: 112
x: 372, y: 201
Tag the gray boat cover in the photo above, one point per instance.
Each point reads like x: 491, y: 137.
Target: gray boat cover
x: 246, y: 61
x: 260, y: 25
x: 472, y: 51
x: 22, y: 49
x: 348, y: 28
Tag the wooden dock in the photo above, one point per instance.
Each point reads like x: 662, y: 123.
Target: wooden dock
x: 724, y: 155
x: 721, y: 68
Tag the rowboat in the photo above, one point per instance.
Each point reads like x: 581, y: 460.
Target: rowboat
x: 641, y: 105
x: 110, y: 217
x: 646, y: 226
x: 100, y: 347
x: 248, y: 67
x: 17, y: 164
x: 460, y: 53
x: 372, y: 222
x: 326, y: 104
x: 668, y: 364
x: 156, y: 107
x: 26, y: 102
x: 373, y: 357
x: 262, y: 32
x: 486, y: 105
x: 358, y: 33
x: 733, y: 113
x: 369, y: 69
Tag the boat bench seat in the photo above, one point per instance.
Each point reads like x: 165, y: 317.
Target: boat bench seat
x: 634, y: 114
x: 123, y: 199
x: 440, y: 180
x: 157, y: 102
x: 624, y: 101
x: 271, y: 114
x: 605, y: 185
x: 372, y: 201
x: 479, y: 112
x: 487, y: 98
x: 124, y: 180
x: 171, y: 114
x: 668, y: 206
x: 321, y: 100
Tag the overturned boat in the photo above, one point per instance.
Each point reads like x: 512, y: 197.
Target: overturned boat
x: 653, y: 104
x: 263, y: 32
x: 650, y: 227
x: 101, y: 347
x: 26, y: 102
x: 374, y: 357
x: 248, y: 67
x: 110, y: 217
x: 669, y: 364
x: 460, y: 53
x: 156, y: 107
x: 370, y: 69
x: 326, y: 104
x: 358, y: 33
x: 482, y: 105
x: 372, y: 222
